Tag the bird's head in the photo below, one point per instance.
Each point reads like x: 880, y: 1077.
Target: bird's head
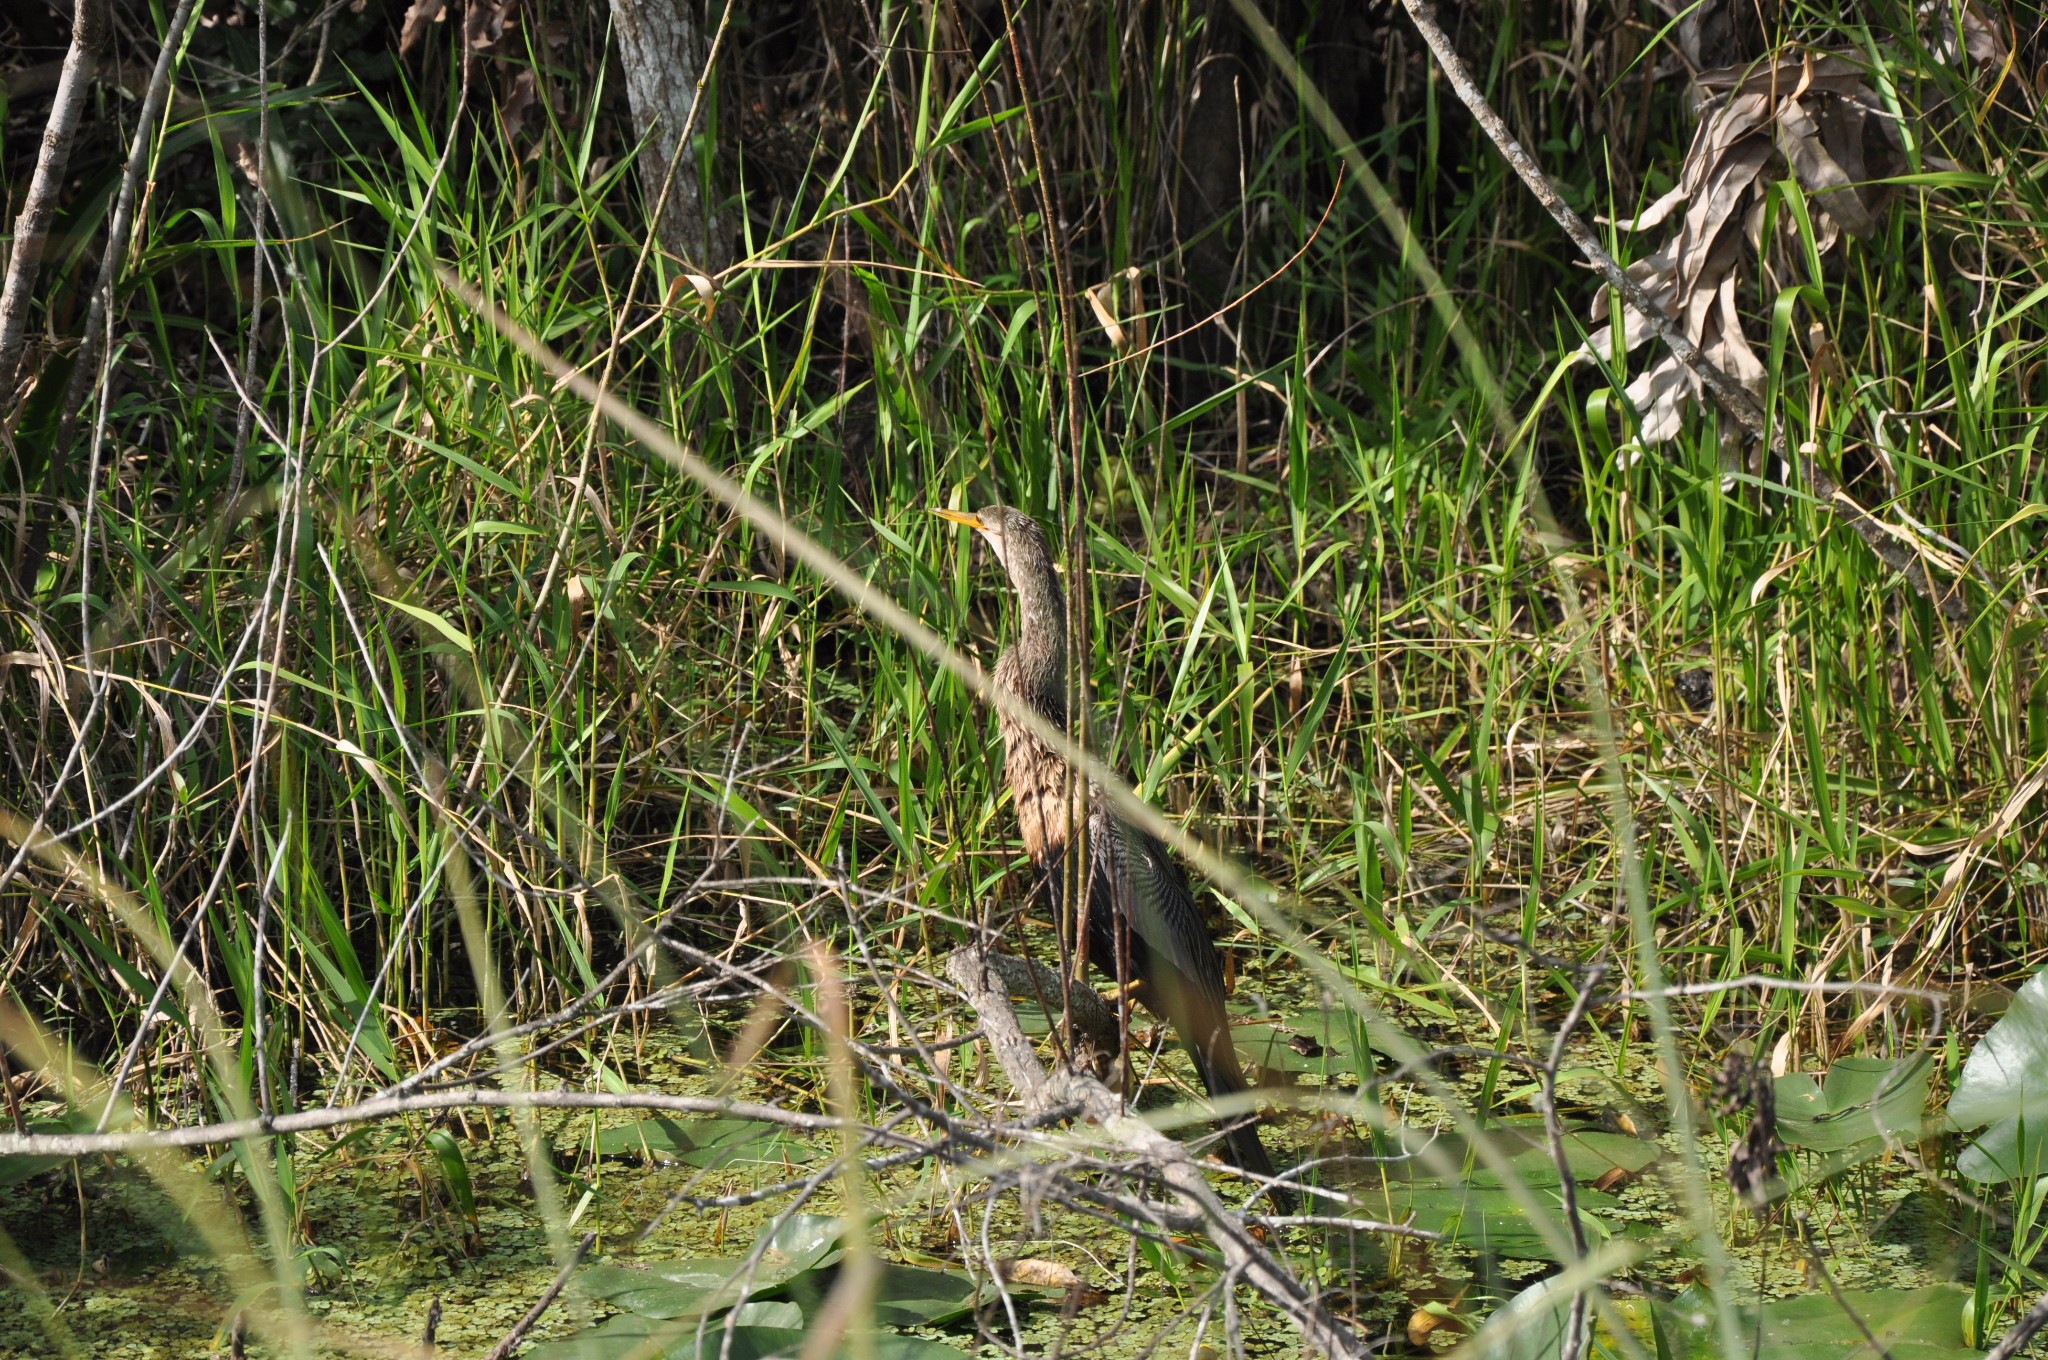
x: 1010, y: 533
x: 1040, y: 651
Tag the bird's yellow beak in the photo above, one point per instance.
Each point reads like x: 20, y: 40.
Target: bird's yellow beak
x: 958, y: 517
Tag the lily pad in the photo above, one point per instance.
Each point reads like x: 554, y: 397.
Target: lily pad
x: 665, y: 1290
x: 627, y: 1335
x: 804, y: 1242
x: 910, y: 1296
x: 708, y: 1143
x: 905, y: 1296
x: 1590, y: 1153
x: 2005, y: 1085
x: 660, y: 1339
x: 1861, y: 1103
x: 1488, y: 1218
x: 677, y: 1289
x: 1324, y: 1042
x: 2009, y: 1150
x: 609, y: 1280
x: 1910, y: 1324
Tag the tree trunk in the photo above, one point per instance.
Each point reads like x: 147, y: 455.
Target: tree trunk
x: 661, y: 46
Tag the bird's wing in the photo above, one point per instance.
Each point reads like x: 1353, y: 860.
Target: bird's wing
x: 1149, y: 890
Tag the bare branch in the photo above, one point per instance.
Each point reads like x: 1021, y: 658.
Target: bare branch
x: 543, y: 1303
x: 2022, y: 1331
x: 1243, y: 1256
x: 32, y: 227
x: 370, y: 1111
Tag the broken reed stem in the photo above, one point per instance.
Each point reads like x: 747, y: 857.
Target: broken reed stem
x: 1733, y: 397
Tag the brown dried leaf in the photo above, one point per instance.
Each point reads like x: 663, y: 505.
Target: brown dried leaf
x: 1612, y: 1177
x: 1843, y: 125
x: 1658, y: 394
x: 1832, y: 188
x: 1806, y: 113
x: 1721, y: 197
x: 484, y: 23
x: 1728, y: 347
x: 518, y: 102
x: 1425, y: 1321
x: 1651, y: 216
x: 245, y: 158
x: 1033, y: 1273
x: 1098, y: 302
x: 1983, y: 39
x: 1790, y: 76
x: 1656, y: 275
x: 417, y: 16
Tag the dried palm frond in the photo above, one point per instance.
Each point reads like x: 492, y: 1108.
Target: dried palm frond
x: 1807, y: 115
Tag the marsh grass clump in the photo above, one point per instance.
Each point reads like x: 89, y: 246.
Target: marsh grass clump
x: 478, y: 820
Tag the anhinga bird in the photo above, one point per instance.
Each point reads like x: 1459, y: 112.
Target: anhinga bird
x: 1140, y: 912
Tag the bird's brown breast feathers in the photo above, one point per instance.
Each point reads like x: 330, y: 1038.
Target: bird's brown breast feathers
x: 1040, y: 783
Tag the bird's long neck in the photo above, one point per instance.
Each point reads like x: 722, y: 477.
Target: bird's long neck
x: 1038, y: 658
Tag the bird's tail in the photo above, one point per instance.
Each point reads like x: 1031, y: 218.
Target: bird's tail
x: 1216, y: 1063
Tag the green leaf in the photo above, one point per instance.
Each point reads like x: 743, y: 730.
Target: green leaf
x: 685, y: 1288
x: 1487, y: 1218
x: 805, y: 1241
x: 2007, y: 1072
x: 1910, y: 1324
x: 1529, y: 1326
x: 454, y: 1171
x: 14, y: 1170
x: 627, y: 1335
x: 461, y: 460
x: 875, y: 804
x: 911, y: 1296
x: 1591, y: 1154
x: 434, y: 621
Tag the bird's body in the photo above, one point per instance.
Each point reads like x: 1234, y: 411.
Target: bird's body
x: 1142, y: 921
